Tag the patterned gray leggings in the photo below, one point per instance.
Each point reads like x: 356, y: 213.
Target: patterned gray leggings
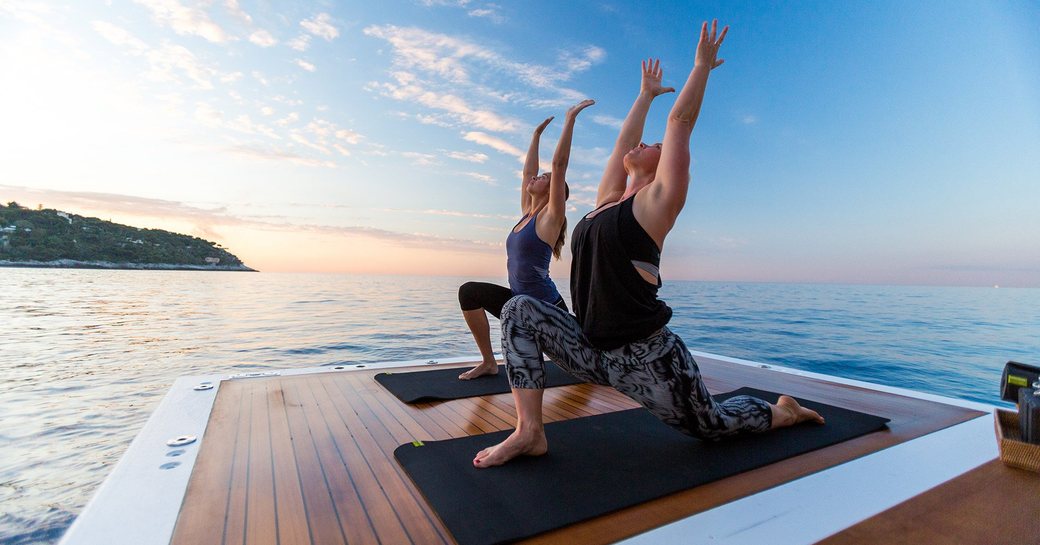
x: 658, y: 372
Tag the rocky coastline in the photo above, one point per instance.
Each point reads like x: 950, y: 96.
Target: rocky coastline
x: 74, y: 264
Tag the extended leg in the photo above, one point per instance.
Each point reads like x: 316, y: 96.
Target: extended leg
x: 661, y: 375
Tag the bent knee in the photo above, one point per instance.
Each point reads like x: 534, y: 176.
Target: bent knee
x: 469, y: 296
x: 517, y: 306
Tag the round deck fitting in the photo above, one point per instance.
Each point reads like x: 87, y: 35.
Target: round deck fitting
x: 203, y: 386
x: 181, y: 441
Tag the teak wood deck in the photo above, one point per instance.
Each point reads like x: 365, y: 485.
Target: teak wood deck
x: 991, y: 504
x: 309, y: 458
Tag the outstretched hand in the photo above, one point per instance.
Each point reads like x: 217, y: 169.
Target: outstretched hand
x: 708, y: 46
x: 651, y: 83
x: 544, y: 124
x: 577, y: 108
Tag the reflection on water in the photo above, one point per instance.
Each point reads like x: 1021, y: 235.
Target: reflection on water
x: 86, y: 355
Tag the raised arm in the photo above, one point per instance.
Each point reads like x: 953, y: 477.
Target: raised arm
x: 557, y: 206
x: 668, y: 192
x: 531, y: 164
x: 612, y: 186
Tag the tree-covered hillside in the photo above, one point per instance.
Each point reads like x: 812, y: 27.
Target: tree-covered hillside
x: 47, y: 235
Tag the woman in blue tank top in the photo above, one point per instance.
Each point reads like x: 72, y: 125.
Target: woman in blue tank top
x: 618, y: 335
x: 533, y: 241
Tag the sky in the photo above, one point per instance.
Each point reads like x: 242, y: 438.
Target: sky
x: 853, y: 142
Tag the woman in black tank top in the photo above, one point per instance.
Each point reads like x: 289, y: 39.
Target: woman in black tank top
x: 618, y: 336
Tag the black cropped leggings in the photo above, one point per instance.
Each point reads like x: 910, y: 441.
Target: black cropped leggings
x: 490, y: 297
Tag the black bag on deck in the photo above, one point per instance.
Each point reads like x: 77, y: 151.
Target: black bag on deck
x: 1016, y: 376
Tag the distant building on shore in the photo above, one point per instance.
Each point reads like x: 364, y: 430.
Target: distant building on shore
x: 212, y: 260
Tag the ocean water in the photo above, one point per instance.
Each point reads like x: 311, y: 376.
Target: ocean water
x: 85, y: 355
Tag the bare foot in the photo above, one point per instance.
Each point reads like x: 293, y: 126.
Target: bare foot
x: 484, y: 368
x: 787, y: 412
x: 517, y: 444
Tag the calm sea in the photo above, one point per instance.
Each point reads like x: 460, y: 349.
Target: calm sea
x: 86, y: 355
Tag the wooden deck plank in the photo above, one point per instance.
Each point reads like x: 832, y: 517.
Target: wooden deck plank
x: 407, y: 508
x: 342, y: 429
x: 322, y: 519
x: 261, y: 516
x: 392, y: 417
x: 235, y: 524
x: 289, y: 503
x: 202, y: 522
x: 346, y: 496
x: 990, y: 504
x: 352, y: 445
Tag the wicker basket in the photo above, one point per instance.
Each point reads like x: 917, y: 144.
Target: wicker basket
x: 1013, y: 451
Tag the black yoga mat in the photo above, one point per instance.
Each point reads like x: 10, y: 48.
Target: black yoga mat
x: 596, y: 465
x: 419, y: 386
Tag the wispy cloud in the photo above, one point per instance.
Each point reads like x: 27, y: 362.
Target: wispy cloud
x: 407, y: 87
x: 596, y: 157
x: 305, y: 65
x: 472, y: 157
x: 466, y: 78
x: 167, y: 62
x: 451, y: 57
x: 185, y: 20
x: 209, y: 116
x: 421, y: 159
x: 167, y: 59
x: 494, y: 143
x: 321, y: 25
x: 293, y: 117
x: 607, y: 121
x: 263, y: 38
x: 450, y: 213
x: 439, y: 120
x: 260, y: 78
x: 452, y: 3
x: 267, y: 153
x: 300, y: 43
x: 480, y: 177
x: 486, y: 10
x: 120, y: 36
x: 748, y: 119
x: 237, y: 12
x: 583, y: 60
x: 35, y: 13
x: 489, y: 13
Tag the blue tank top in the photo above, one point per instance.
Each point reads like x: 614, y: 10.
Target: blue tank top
x: 527, y: 258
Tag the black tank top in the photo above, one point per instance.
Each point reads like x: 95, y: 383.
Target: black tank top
x: 612, y: 301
